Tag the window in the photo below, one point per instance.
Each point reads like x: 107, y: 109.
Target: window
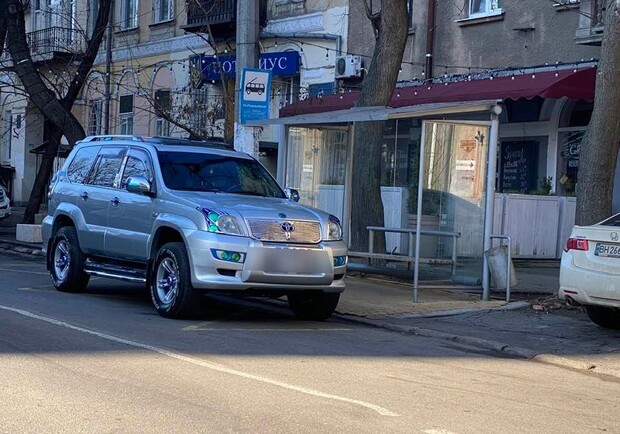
x: 162, y: 109
x: 82, y: 162
x: 162, y: 10
x: 410, y: 14
x: 479, y: 8
x: 95, y: 117
x: 129, y: 14
x: 108, y: 164
x: 126, y: 115
x: 138, y: 164
x: 93, y: 11
x: 7, y: 137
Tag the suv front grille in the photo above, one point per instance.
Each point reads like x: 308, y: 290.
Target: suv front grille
x: 271, y: 230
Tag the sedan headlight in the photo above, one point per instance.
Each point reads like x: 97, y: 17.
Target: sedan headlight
x: 334, y: 229
x: 221, y: 223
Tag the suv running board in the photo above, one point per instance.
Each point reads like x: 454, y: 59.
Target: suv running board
x: 115, y: 271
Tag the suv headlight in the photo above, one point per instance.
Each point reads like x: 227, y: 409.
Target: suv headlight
x: 334, y: 229
x: 221, y: 223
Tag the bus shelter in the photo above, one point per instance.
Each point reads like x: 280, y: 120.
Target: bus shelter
x: 438, y: 174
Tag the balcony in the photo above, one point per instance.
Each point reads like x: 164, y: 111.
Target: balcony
x: 51, y: 44
x: 220, y: 15
x: 591, y: 17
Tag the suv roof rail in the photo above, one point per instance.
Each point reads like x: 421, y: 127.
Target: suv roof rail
x: 106, y: 137
x: 171, y: 141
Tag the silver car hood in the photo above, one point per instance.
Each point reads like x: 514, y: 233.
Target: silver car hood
x: 254, y: 207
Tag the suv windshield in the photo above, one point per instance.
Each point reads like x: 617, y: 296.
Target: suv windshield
x: 194, y: 171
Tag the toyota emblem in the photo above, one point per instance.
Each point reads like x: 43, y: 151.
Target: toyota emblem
x: 614, y: 236
x: 287, y: 227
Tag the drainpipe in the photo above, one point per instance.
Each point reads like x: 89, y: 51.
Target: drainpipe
x: 108, y: 74
x: 430, y: 38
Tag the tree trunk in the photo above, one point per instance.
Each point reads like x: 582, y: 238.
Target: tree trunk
x: 599, y: 148
x: 367, y: 208
x: 57, y: 111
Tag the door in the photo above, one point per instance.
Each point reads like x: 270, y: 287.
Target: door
x: 95, y: 196
x: 130, y: 214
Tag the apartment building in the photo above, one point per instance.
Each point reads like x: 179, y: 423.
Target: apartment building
x: 163, y: 70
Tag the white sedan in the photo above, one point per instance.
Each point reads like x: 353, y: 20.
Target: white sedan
x: 590, y: 271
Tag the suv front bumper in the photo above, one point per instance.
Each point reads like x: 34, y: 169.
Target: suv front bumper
x: 265, y: 266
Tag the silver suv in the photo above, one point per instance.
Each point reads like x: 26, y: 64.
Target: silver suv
x: 186, y: 217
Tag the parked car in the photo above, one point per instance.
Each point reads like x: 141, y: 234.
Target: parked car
x: 5, y: 204
x: 590, y: 271
x: 188, y: 217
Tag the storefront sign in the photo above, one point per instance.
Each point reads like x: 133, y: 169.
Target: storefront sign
x: 205, y: 67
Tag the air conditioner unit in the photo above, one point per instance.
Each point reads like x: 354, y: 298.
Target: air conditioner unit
x: 348, y: 66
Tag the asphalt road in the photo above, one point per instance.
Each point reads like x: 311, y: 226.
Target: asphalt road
x: 104, y: 361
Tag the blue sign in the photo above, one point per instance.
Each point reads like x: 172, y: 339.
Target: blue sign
x: 282, y: 63
x: 254, y: 91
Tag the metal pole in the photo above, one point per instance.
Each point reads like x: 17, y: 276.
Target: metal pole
x: 454, y: 245
x: 246, y: 57
x: 416, y: 264
x: 508, y: 269
x: 348, y: 187
x: 108, y: 72
x: 282, y: 134
x: 490, y: 197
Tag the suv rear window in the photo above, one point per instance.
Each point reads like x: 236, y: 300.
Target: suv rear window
x: 82, y: 162
x: 194, y: 171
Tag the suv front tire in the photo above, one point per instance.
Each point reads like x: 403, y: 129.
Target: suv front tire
x: 170, y: 283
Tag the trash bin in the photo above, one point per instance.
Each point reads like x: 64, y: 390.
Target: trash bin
x: 497, y: 258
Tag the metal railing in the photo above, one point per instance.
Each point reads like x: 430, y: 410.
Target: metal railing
x: 208, y: 12
x: 53, y: 40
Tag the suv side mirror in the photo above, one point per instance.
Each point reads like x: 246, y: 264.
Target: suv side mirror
x: 292, y: 194
x: 138, y: 184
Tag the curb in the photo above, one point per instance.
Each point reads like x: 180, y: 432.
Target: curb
x: 11, y: 246
x: 520, y: 352
x: 453, y: 312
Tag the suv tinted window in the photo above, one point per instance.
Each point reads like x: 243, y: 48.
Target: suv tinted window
x: 138, y: 164
x: 82, y: 162
x: 216, y: 173
x: 107, y: 166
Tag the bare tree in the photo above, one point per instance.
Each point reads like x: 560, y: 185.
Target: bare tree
x: 599, y: 148
x: 56, y: 109
x: 390, y: 26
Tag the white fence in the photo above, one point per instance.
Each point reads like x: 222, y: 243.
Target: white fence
x: 538, y: 225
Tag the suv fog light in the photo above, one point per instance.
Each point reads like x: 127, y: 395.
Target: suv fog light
x: 339, y: 261
x: 228, y: 256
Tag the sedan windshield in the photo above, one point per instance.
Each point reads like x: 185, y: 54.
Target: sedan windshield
x: 194, y: 171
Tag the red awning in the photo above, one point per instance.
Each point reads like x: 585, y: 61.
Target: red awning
x: 567, y: 83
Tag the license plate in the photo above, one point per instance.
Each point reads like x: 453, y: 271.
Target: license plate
x: 607, y: 250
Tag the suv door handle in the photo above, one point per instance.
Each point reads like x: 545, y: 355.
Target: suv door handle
x: 115, y: 201
x: 84, y: 195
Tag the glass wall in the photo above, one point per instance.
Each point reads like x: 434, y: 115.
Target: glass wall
x: 453, y: 198
x: 316, y: 166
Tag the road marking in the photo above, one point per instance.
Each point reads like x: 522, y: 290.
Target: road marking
x: 23, y: 271
x: 212, y: 366
x: 437, y: 431
x: 241, y: 329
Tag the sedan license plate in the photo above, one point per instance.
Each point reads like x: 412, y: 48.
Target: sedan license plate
x: 607, y: 250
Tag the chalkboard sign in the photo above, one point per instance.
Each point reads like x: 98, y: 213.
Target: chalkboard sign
x: 519, y: 166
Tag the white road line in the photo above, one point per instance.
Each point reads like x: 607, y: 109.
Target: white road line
x: 437, y: 431
x: 382, y: 411
x: 24, y: 271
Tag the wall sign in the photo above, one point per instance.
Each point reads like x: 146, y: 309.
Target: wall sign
x: 205, y: 67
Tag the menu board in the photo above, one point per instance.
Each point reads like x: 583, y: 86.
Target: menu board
x: 518, y: 166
